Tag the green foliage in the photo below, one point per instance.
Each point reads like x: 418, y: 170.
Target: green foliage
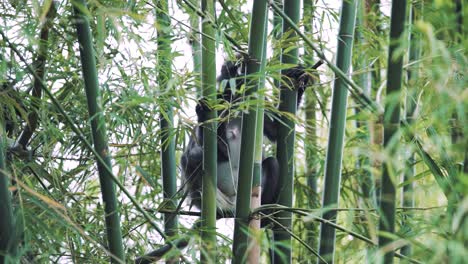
x: 56, y: 196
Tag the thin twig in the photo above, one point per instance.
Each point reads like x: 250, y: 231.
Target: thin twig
x: 82, y: 137
x: 356, y: 91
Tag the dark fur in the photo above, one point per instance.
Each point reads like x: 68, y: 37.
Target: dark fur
x: 229, y: 142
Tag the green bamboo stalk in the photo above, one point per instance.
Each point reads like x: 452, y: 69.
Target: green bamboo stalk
x: 311, y: 130
x: 196, y: 46
x: 308, y: 9
x: 361, y: 63
x: 460, y: 37
x: 375, y: 17
x: 210, y: 150
x: 254, y: 246
x: 356, y: 91
x: 8, y: 245
x: 168, y: 164
x: 374, y: 23
x: 276, y: 40
x: 249, y: 128
x: 277, y: 23
x: 82, y: 136
x: 40, y: 67
x: 391, y: 127
x: 334, y: 158
x: 98, y: 125
x: 286, y: 138
x: 363, y: 79
x: 458, y: 129
x: 413, y: 76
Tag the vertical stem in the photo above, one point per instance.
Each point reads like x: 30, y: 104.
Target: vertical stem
x: 168, y: 165
x: 276, y: 40
x: 8, y: 246
x: 249, y: 128
x: 311, y: 129
x: 412, y: 75
x: 40, y: 68
x: 391, y: 127
x: 254, y: 245
x: 334, y: 158
x: 98, y: 125
x: 363, y: 80
x: 374, y: 23
x: 363, y: 164
x: 286, y: 138
x: 461, y: 33
x: 210, y: 150
x: 196, y: 46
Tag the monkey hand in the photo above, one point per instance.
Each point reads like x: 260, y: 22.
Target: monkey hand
x: 299, y: 79
x: 202, y: 110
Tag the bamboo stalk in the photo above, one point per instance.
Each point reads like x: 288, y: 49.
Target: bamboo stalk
x: 356, y: 91
x: 82, y: 137
x: 249, y: 128
x: 40, y: 67
x: 8, y: 245
x: 334, y: 157
x: 391, y: 128
x: 98, y: 126
x: 276, y: 41
x: 364, y: 81
x: 210, y: 150
x: 286, y: 139
x: 196, y: 46
x: 408, y: 199
x: 168, y: 163
x: 311, y: 140
x: 254, y: 245
x: 366, y: 181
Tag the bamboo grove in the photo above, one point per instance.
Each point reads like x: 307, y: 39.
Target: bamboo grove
x: 97, y: 106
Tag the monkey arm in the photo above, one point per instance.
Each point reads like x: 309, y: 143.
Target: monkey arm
x: 270, y: 178
x: 223, y: 149
x: 298, y: 79
x: 192, y: 156
x: 191, y: 161
x: 202, y: 109
x: 270, y: 126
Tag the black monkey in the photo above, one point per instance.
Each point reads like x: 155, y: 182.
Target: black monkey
x: 229, y: 142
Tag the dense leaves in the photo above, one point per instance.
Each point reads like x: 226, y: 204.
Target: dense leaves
x: 53, y: 180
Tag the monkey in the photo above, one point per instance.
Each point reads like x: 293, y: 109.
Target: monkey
x: 229, y: 142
